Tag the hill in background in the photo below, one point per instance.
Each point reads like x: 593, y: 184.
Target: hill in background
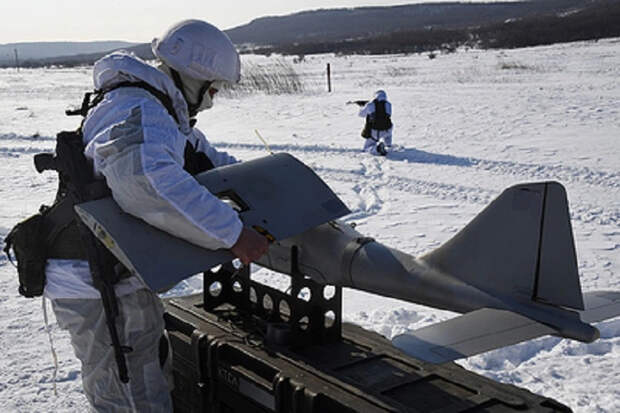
x: 28, y: 51
x: 343, y: 24
x: 593, y: 19
x: 394, y: 29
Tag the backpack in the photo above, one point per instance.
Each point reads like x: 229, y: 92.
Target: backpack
x: 53, y: 231
x: 27, y: 240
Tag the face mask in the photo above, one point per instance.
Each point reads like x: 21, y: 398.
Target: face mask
x: 209, y: 94
x: 200, y: 93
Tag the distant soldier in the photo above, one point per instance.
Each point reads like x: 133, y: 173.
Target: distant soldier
x: 378, y: 127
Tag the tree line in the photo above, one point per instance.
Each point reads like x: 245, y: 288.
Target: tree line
x: 595, y: 22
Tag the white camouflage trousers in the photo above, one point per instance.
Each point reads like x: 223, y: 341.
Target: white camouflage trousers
x: 370, y: 144
x: 140, y: 325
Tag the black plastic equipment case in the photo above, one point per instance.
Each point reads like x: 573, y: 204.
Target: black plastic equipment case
x: 222, y: 364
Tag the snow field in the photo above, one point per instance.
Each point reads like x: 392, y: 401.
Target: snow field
x: 467, y: 125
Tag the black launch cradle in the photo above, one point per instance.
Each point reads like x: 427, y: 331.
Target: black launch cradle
x: 242, y: 346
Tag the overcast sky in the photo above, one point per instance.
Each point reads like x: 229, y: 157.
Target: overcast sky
x: 141, y: 20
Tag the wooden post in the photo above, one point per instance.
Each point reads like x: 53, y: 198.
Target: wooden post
x: 16, y: 60
x: 329, y: 78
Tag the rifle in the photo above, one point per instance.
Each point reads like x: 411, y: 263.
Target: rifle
x: 78, y: 182
x: 358, y: 102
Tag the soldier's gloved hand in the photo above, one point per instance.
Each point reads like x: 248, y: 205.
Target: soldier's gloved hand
x: 249, y: 246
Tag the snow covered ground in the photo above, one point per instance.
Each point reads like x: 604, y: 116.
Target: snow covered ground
x: 467, y: 125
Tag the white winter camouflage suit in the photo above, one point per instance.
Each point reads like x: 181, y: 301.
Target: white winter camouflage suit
x: 139, y: 148
x: 376, y: 136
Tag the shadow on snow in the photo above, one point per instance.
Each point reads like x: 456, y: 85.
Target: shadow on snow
x: 401, y: 154
x: 561, y: 173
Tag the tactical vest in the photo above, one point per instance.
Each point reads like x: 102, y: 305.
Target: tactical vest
x: 53, y: 232
x: 64, y: 240
x: 379, y: 120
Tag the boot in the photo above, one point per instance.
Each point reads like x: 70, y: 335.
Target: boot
x: 381, y: 149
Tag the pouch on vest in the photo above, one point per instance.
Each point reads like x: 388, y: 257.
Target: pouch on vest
x: 28, y: 243
x: 366, y: 131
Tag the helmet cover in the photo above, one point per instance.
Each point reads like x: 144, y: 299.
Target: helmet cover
x: 198, y: 50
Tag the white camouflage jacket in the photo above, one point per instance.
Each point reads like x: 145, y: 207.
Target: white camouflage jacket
x: 139, y: 147
x: 369, y: 108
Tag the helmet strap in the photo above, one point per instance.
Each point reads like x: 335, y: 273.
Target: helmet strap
x: 192, y: 107
x: 176, y: 77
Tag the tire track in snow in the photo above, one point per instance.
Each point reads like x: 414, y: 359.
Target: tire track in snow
x: 14, y: 145
x: 287, y: 148
x: 16, y: 137
x: 17, y: 152
x: 459, y: 193
x: 567, y: 174
x: 439, y: 190
x: 553, y: 172
x: 451, y: 192
x: 536, y: 171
